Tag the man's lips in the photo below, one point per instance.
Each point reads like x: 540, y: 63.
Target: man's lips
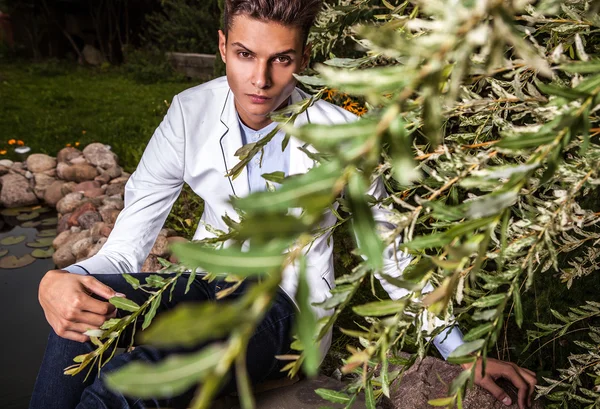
x: 258, y: 99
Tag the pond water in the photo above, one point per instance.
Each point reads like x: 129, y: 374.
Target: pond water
x: 23, y: 327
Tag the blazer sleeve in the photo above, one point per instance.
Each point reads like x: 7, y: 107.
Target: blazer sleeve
x: 394, y: 263
x: 149, y: 195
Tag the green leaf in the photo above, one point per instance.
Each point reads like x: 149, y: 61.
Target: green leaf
x: 363, y: 224
x: 582, y: 67
x: 149, y: 316
x: 124, y: 304
x: 156, y: 281
x: 16, y: 262
x: 39, y: 243
x: 518, y: 306
x: 258, y: 260
x: 306, y: 324
x: 467, y: 348
x: 170, y: 377
x: 47, y: 233
x: 380, y: 308
x: 441, y: 401
x: 276, y: 177
x: 459, y: 382
x: 12, y: 240
x: 27, y: 216
x: 369, y: 397
x: 134, y: 282
x: 479, y: 331
x: 491, y: 204
x: 313, y: 191
x: 428, y: 241
x: 333, y: 396
x: 526, y: 140
x: 190, y: 324
x: 570, y: 94
x: 39, y: 253
x: 489, y: 301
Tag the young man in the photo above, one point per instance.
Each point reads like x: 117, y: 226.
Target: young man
x: 263, y: 43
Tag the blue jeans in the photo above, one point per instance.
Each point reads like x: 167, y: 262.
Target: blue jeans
x: 53, y: 390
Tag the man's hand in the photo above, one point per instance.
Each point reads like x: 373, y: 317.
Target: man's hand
x: 523, y: 379
x: 69, y: 307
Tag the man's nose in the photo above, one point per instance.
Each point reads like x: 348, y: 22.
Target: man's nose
x: 262, y: 76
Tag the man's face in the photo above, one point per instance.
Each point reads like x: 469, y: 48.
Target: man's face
x: 260, y: 58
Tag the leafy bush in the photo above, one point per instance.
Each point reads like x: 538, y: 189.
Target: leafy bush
x: 185, y: 26
x: 483, y: 123
x: 150, y: 66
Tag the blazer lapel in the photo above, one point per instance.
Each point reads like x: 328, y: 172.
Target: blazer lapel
x: 231, y: 141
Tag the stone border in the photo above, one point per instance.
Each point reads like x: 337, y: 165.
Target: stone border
x: 86, y: 188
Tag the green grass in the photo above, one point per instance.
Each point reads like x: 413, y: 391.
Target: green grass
x: 51, y: 105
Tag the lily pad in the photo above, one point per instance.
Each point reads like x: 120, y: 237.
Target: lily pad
x: 47, y: 233
x: 31, y: 223
x: 10, y: 212
x: 27, y: 216
x: 3, y: 252
x: 10, y: 240
x: 39, y: 253
x: 52, y: 221
x: 42, y: 242
x: 16, y: 262
x: 42, y: 209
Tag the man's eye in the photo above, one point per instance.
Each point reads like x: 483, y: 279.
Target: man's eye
x: 244, y: 54
x: 283, y: 59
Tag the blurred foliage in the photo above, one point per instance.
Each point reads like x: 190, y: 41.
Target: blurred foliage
x: 483, y: 124
x: 187, y: 26
x: 149, y: 65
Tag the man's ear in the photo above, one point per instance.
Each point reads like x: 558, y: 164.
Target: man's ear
x: 306, y: 55
x: 223, y: 46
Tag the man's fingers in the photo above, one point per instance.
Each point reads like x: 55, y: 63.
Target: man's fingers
x: 491, y: 386
x: 91, y: 319
x: 530, y: 378
x: 87, y: 303
x: 75, y: 336
x: 98, y: 288
x: 79, y: 328
x: 523, y: 388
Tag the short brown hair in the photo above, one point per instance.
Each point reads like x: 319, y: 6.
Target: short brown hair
x: 295, y: 13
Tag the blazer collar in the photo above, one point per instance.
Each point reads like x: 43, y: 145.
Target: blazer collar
x: 231, y: 141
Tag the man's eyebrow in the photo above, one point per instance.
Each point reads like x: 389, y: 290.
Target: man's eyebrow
x: 289, y: 51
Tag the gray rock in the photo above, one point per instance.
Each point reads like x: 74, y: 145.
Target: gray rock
x: 113, y: 203
x: 114, y: 172
x: 429, y: 379
x: 92, y: 55
x: 63, y: 257
x: 39, y: 162
x: 68, y: 154
x: 161, y: 247
x: 81, y: 248
x: 16, y: 191
x: 98, y: 155
x: 87, y: 219
x: 79, y: 172
x: 70, y: 202
x: 96, y: 247
x: 109, y: 216
x: 151, y: 264
x: 115, y: 189
x: 42, y: 182
x: 6, y: 163
x: 120, y: 179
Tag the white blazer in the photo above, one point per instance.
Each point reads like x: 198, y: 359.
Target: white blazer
x: 196, y: 144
